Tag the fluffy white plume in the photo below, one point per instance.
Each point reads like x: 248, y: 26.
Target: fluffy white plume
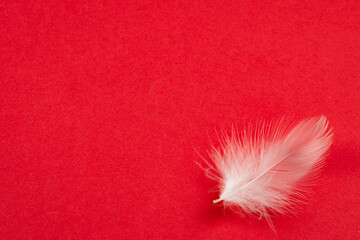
x: 266, y: 171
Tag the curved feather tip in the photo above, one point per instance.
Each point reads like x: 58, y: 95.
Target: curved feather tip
x: 267, y: 171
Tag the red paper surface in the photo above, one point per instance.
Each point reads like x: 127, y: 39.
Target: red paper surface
x: 104, y: 106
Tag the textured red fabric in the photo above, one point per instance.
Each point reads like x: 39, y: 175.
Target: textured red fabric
x: 104, y: 106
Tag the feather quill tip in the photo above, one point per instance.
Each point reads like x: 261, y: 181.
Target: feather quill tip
x: 217, y: 200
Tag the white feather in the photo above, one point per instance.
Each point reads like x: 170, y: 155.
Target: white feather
x: 266, y: 172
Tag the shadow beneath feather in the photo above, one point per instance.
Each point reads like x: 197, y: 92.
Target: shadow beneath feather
x: 212, y: 213
x: 217, y: 214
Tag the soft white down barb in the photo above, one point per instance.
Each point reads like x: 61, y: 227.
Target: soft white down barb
x: 265, y: 172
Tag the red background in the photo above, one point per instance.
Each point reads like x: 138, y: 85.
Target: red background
x: 104, y: 106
